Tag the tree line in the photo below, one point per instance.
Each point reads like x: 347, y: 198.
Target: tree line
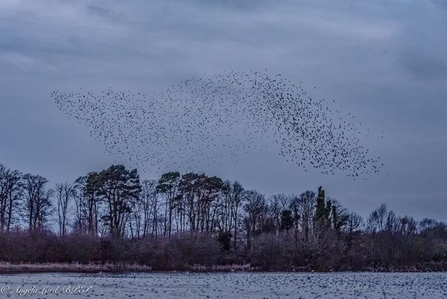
x: 182, y: 220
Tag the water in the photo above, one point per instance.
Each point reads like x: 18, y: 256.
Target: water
x: 226, y: 285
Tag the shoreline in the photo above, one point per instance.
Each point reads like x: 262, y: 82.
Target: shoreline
x: 26, y: 268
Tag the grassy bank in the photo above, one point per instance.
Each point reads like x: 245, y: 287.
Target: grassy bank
x: 8, y: 268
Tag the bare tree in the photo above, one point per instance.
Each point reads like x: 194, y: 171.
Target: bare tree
x: 306, y: 205
x: 65, y: 192
x: 87, y: 205
x: 169, y: 185
x: 392, y: 223
x: 10, y: 195
x: 354, y: 223
x: 255, y: 209
x: 280, y: 209
x: 210, y: 192
x: 408, y: 226
x: 339, y: 216
x: 236, y: 199
x: 150, y: 207
x: 37, y: 201
x: 377, y: 219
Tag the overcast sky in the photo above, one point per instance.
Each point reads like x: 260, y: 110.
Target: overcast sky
x: 384, y: 61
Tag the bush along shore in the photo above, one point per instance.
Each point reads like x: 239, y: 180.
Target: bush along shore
x: 8, y: 268
x: 46, y: 252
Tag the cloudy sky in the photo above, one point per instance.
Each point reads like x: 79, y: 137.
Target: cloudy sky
x: 383, y: 61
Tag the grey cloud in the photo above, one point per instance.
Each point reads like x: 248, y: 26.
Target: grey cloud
x: 424, y: 66
x: 97, y: 10
x: 383, y: 61
x: 440, y: 3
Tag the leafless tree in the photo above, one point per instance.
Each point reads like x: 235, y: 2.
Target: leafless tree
x: 168, y: 185
x: 236, y: 199
x: 65, y: 192
x: 37, y: 201
x: 355, y: 223
x: 408, y: 226
x: 10, y: 195
x: 377, y: 219
x: 255, y: 209
x: 278, y: 203
x: 306, y: 205
x: 150, y: 206
x: 87, y: 206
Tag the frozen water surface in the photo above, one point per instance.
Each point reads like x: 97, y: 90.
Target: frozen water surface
x: 226, y: 285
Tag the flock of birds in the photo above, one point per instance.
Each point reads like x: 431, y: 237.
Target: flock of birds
x: 215, y: 116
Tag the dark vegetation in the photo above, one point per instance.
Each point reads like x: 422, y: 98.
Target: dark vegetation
x: 193, y: 221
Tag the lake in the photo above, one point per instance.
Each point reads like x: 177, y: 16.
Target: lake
x: 225, y: 285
